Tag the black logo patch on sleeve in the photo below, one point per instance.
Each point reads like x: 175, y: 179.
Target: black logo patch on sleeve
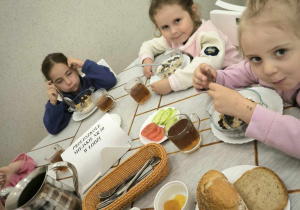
x: 211, y: 50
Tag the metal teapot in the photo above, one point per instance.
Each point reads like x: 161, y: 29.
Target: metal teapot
x: 40, y: 191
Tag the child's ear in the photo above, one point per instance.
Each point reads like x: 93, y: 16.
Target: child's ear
x: 195, y: 8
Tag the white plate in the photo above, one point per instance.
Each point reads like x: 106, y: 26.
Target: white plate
x: 186, y: 61
x: 79, y: 117
x: 270, y: 98
x: 145, y: 140
x: 234, y: 173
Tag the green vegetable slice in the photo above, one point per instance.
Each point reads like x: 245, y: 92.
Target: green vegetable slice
x: 166, y: 115
x: 157, y: 117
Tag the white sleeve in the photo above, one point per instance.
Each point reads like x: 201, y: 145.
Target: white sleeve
x: 153, y: 47
x: 212, y: 53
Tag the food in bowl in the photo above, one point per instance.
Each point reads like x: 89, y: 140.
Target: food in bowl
x: 228, y: 122
x: 83, y: 103
x: 170, y: 67
x: 237, y: 128
x: 168, y: 62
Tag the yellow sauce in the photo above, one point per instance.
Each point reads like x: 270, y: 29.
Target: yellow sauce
x: 176, y: 204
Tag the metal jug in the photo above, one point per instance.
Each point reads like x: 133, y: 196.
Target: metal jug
x: 40, y: 191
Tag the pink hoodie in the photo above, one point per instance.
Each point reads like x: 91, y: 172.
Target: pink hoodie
x: 272, y: 128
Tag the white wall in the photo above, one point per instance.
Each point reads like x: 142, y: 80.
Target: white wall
x: 31, y: 29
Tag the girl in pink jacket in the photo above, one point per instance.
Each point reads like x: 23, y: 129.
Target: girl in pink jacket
x: 180, y: 28
x: 271, y: 45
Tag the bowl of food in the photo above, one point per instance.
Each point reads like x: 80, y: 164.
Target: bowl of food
x: 82, y: 101
x: 171, y: 60
x: 229, y: 125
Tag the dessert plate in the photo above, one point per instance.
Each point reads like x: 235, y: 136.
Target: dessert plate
x: 186, y: 61
x: 270, y: 98
x: 145, y: 140
x: 79, y: 117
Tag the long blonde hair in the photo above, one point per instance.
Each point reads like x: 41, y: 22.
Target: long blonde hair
x: 283, y: 14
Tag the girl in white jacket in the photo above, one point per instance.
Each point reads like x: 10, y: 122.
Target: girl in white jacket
x: 181, y: 28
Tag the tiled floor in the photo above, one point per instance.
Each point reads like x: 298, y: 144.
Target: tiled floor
x: 213, y: 154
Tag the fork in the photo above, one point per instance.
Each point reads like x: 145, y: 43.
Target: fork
x: 125, y: 187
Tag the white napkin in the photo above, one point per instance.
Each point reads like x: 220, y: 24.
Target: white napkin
x: 97, y: 150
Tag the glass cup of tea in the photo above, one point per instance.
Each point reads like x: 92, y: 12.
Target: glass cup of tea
x: 182, y: 132
x: 53, y: 155
x: 137, y: 90
x: 103, y: 100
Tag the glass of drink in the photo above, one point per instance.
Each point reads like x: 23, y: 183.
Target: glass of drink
x: 182, y: 132
x: 103, y: 100
x: 53, y: 155
x: 137, y: 90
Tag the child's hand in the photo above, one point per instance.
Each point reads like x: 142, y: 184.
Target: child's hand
x: 75, y: 63
x: 51, y: 92
x: 231, y: 102
x: 203, y: 75
x: 147, y: 69
x: 5, y: 176
x: 161, y: 87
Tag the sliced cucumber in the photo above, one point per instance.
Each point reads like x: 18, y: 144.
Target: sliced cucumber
x: 157, y: 117
x: 171, y: 122
x: 165, y: 116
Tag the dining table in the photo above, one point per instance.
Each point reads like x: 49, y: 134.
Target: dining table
x: 214, y: 153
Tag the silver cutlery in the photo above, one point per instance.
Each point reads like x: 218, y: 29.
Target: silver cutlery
x: 147, y: 64
x: 125, y: 188
x: 106, y: 194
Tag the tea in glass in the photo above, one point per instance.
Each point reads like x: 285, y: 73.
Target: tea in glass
x: 137, y: 90
x: 103, y: 100
x: 54, y: 156
x: 183, y: 133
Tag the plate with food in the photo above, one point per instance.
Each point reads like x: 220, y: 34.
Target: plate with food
x: 235, y: 134
x: 152, y: 130
x: 235, y: 173
x: 174, y: 62
x: 78, y: 117
x: 242, y: 187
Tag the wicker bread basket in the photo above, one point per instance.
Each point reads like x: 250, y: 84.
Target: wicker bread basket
x: 123, y: 171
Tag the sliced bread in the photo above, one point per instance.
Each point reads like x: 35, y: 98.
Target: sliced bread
x: 261, y: 188
x: 214, y: 191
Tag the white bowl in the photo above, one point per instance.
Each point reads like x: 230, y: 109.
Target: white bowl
x: 169, y: 191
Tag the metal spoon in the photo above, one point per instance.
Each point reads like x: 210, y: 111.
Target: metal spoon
x: 66, y: 99
x: 147, y: 64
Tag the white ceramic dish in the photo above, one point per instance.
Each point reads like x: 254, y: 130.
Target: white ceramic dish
x: 186, y: 61
x: 270, y: 98
x: 169, y: 191
x: 234, y: 173
x: 78, y: 117
x: 145, y: 140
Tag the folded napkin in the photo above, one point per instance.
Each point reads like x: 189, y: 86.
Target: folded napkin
x: 97, y: 150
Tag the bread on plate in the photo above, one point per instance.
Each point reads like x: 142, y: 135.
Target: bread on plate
x: 261, y: 188
x: 214, y: 191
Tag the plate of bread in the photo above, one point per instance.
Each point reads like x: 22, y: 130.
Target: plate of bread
x: 242, y: 187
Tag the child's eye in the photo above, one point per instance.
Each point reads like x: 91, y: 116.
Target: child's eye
x: 280, y: 52
x: 255, y: 59
x: 177, y: 20
x: 164, y: 27
x: 58, y: 81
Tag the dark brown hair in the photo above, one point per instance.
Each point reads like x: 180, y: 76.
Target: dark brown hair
x: 185, y: 4
x: 50, y: 61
